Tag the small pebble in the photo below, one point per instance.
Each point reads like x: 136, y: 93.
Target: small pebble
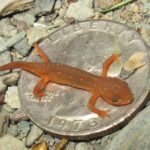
x: 36, y: 33
x: 59, y: 22
x: 41, y: 7
x: 11, y: 6
x: 3, y: 46
x: 134, y: 8
x: 27, y: 17
x: 19, y: 115
x: 11, y: 78
x: 12, y: 130
x: 22, y: 47
x: 7, y: 109
x: 49, y: 139
x: 62, y: 12
x: 58, y: 4
x: 79, y: 11
x: 4, y: 119
x: 5, y: 58
x: 97, y: 147
x: 82, y: 146
x: 135, y: 61
x: 70, y: 146
x: 34, y: 134
x: 23, y: 128
x: 8, y: 142
x: 12, y: 98
x: 88, y: 3
x: 6, y: 28
x: 16, y: 38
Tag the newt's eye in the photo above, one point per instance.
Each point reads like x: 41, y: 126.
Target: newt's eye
x: 115, y: 99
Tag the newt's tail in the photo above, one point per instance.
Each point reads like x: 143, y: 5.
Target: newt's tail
x: 27, y: 66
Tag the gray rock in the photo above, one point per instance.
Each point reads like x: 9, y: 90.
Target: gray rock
x: 135, y: 135
x: 57, y: 140
x: 23, y: 128
x: 12, y: 98
x: 12, y: 130
x: 4, y: 119
x: 10, y: 6
x: 20, y: 25
x: 8, y: 142
x: 97, y: 147
x: 19, y: 115
x: 80, y: 11
x: 59, y: 22
x: 62, y: 12
x: 70, y: 146
x: 7, y: 109
x: 14, y: 57
x: 83, y: 146
x: 98, y: 141
x: 11, y: 78
x: 58, y: 4
x: 146, y: 35
x: 106, y: 140
x: 22, y: 47
x: 16, y: 38
x: 49, y: 139
x: 42, y: 7
x: 36, y: 33
x: 5, y: 58
x: 88, y: 3
x: 34, y: 134
x: 3, y: 46
x: 6, y: 28
x: 27, y: 17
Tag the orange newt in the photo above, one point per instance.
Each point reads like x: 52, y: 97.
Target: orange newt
x: 113, y: 90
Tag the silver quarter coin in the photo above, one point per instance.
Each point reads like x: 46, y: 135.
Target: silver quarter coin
x: 86, y: 45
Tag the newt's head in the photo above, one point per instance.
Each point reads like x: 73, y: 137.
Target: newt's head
x: 117, y: 92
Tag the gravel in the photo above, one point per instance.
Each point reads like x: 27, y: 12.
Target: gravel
x: 26, y: 22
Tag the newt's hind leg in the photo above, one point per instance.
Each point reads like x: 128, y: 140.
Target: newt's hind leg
x: 108, y: 62
x: 41, y: 53
x: 39, y: 89
x: 91, y: 105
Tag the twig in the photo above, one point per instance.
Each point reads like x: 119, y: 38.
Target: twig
x: 123, y: 3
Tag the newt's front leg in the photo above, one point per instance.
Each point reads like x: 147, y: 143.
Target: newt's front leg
x: 108, y: 62
x: 41, y: 53
x: 91, y: 105
x: 39, y: 89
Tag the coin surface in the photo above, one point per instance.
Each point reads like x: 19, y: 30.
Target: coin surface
x: 86, y: 45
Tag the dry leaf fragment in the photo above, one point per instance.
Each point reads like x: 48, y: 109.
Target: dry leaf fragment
x: 134, y: 62
x: 40, y: 146
x: 61, y: 145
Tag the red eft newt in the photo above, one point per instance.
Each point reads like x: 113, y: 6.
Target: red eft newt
x: 113, y: 90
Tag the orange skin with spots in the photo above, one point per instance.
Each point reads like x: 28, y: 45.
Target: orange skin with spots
x: 113, y: 90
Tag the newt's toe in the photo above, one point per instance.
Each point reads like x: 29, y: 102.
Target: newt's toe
x: 104, y: 113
